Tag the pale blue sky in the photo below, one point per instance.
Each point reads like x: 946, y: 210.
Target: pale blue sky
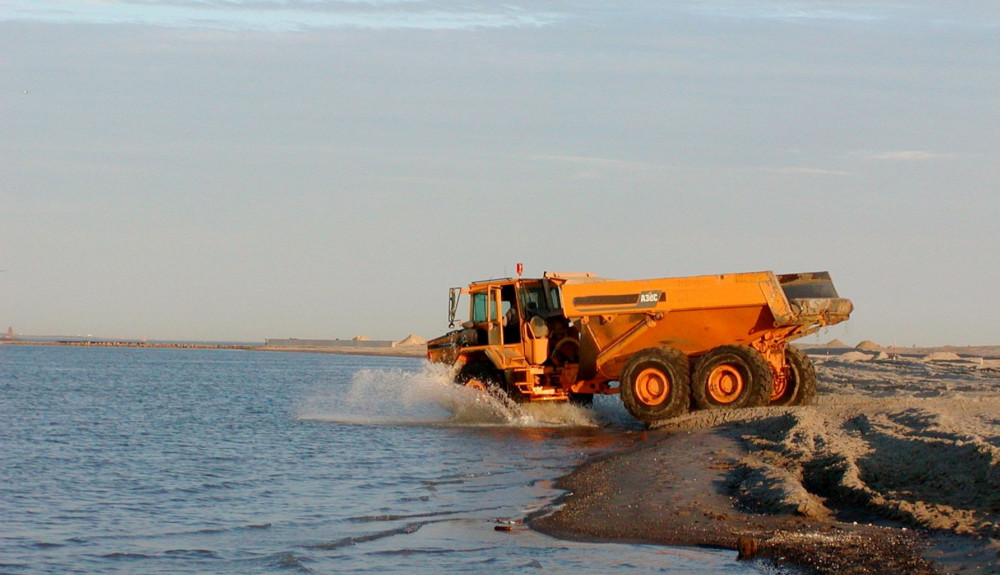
x: 228, y: 170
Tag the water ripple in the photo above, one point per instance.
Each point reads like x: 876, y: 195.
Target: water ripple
x: 355, y: 540
x: 207, y: 461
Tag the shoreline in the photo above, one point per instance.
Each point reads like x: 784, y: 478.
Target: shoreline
x: 675, y: 490
x: 398, y: 351
x: 892, y: 470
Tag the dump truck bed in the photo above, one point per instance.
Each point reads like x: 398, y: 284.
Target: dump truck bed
x: 696, y: 314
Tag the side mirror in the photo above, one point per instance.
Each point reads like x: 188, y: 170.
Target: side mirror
x: 453, y: 296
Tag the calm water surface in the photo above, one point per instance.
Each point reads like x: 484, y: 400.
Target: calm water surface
x: 216, y: 461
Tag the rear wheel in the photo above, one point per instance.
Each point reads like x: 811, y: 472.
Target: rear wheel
x: 731, y: 376
x: 655, y: 384
x: 800, y: 383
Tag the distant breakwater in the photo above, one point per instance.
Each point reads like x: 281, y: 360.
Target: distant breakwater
x: 398, y: 351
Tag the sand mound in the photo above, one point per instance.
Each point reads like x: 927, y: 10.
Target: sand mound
x: 907, y: 440
x: 361, y: 338
x: 413, y: 340
x: 868, y: 345
x: 836, y: 343
x: 914, y: 465
x: 853, y: 356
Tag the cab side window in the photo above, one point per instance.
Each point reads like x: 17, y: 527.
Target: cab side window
x: 479, y: 307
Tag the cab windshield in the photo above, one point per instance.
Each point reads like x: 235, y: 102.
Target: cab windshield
x: 534, y: 300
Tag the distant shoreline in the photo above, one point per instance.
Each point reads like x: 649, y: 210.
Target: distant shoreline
x: 420, y: 350
x: 397, y: 351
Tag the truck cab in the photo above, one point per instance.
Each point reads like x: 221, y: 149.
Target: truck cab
x: 513, y: 327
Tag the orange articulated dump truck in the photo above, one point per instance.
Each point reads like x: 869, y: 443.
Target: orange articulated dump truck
x: 665, y: 345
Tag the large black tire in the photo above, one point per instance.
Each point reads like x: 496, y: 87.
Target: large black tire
x: 730, y: 377
x: 480, y: 375
x: 800, y: 385
x: 655, y: 384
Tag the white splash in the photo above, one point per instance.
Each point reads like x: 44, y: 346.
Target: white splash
x: 430, y: 397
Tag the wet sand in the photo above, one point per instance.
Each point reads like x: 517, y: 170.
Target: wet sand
x: 896, y: 469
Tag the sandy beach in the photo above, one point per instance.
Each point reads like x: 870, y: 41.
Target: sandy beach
x: 894, y: 469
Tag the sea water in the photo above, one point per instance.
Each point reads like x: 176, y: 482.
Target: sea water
x: 138, y: 460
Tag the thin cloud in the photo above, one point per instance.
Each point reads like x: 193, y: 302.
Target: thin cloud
x: 801, y: 170
x: 594, y: 162
x: 279, y: 16
x: 796, y: 11
x: 909, y: 156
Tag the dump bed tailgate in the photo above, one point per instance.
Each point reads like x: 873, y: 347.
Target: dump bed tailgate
x: 811, y: 299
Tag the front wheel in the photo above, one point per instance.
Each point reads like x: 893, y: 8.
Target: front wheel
x: 732, y: 376
x: 479, y: 375
x: 655, y: 384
